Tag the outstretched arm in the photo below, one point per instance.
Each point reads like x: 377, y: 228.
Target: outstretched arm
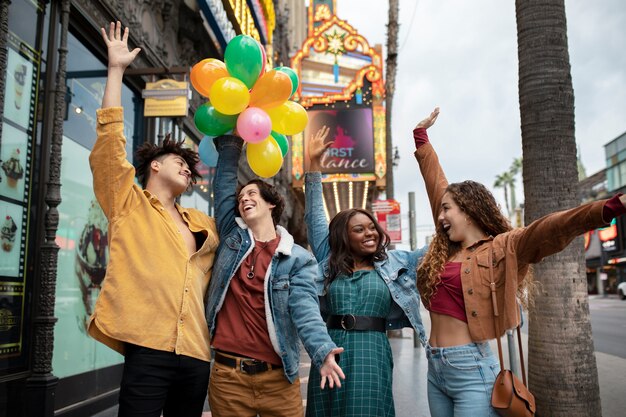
x: 120, y: 57
x: 305, y: 315
x: 434, y: 177
x: 314, y: 216
x: 113, y: 175
x: 553, y: 232
x: 225, y: 184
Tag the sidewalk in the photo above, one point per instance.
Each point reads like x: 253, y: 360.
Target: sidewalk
x: 410, y: 368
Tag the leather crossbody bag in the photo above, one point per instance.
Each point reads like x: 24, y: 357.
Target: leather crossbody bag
x: 510, y: 396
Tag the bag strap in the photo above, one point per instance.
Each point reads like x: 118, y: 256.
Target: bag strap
x: 494, y: 302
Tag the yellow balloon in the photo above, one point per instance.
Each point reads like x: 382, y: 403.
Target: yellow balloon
x: 265, y: 158
x: 229, y: 95
x: 289, y: 118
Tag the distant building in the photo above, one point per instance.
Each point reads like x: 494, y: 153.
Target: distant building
x: 605, y: 248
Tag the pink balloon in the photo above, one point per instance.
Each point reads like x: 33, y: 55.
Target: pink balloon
x: 254, y: 125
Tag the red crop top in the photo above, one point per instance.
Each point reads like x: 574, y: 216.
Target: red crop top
x: 448, y: 298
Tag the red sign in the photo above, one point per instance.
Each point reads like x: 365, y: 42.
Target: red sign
x: 387, y: 213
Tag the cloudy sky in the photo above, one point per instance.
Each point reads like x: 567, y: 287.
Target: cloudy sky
x: 462, y: 56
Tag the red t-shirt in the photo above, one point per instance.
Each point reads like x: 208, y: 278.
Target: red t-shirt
x: 241, y: 327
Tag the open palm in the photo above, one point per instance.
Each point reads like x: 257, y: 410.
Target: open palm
x: 316, y: 144
x: 117, y: 43
x: 429, y: 120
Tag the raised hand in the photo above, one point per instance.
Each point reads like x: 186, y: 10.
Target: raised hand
x: 429, y: 120
x: 330, y: 370
x: 317, y: 147
x: 119, y: 58
x: 117, y: 43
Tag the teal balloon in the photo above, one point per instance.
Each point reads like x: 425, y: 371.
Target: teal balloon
x: 292, y: 76
x: 213, y: 123
x: 207, y: 152
x: 244, y: 59
x: 282, y: 142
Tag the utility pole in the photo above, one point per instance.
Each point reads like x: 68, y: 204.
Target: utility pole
x: 390, y: 86
x: 413, y: 240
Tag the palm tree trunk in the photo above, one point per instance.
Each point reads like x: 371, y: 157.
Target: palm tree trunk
x: 506, y: 199
x: 390, y: 86
x: 562, y: 366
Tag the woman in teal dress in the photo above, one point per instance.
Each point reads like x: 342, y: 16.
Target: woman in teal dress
x: 364, y: 290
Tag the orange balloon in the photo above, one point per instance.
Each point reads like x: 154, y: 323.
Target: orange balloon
x: 205, y: 73
x: 271, y: 90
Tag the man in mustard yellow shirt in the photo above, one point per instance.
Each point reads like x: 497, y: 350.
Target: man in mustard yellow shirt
x: 151, y: 307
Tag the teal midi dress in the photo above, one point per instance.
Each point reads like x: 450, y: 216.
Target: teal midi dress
x: 367, y: 360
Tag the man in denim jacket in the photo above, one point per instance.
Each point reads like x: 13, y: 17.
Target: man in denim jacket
x: 261, y: 300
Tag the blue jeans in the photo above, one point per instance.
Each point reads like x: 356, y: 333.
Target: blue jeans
x: 460, y: 380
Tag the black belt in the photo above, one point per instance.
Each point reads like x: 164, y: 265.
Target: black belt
x: 351, y: 322
x: 245, y: 365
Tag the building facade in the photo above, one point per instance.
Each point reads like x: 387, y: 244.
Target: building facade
x: 53, y: 251
x: 605, y: 248
x: 341, y: 87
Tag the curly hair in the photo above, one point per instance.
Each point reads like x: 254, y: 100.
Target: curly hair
x: 341, y: 260
x: 148, y: 152
x: 270, y: 194
x: 475, y: 200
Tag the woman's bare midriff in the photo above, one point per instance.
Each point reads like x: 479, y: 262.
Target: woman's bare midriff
x: 446, y: 331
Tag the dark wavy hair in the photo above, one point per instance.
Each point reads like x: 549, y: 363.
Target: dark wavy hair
x: 476, y: 201
x: 341, y: 260
x: 148, y: 152
x: 270, y: 194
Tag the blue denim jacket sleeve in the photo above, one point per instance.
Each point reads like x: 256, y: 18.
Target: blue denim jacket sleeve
x: 225, y: 184
x: 314, y: 217
x: 305, y: 313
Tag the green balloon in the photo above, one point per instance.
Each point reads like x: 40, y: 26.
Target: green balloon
x: 292, y: 75
x: 282, y: 142
x: 244, y: 59
x: 211, y: 122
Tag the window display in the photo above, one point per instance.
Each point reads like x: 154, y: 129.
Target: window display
x: 15, y: 175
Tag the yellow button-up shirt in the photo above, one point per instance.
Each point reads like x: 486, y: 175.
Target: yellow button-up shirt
x: 153, y: 292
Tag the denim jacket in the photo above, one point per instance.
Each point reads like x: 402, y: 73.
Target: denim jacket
x: 398, y: 270
x: 291, y: 304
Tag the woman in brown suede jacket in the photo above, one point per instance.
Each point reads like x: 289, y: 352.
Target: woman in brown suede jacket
x: 454, y: 278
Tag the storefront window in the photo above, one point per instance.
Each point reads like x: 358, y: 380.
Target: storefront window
x: 16, y: 163
x: 82, y: 233
x: 22, y: 18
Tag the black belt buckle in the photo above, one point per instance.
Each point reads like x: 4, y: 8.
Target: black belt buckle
x: 252, y: 366
x: 348, y: 322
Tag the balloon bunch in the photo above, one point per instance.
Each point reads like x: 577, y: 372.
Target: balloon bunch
x: 243, y: 95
